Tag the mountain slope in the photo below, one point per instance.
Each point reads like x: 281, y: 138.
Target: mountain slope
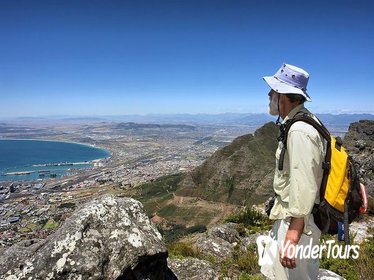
x: 240, y: 173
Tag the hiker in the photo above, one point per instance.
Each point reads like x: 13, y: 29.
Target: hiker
x: 296, y: 185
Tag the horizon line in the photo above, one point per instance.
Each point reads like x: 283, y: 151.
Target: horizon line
x: 4, y: 118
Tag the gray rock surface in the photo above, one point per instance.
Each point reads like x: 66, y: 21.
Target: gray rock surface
x: 214, y: 246
x: 226, y: 232
x: 193, y: 269
x: 107, y: 238
x: 360, y: 142
x: 248, y: 241
x: 328, y: 275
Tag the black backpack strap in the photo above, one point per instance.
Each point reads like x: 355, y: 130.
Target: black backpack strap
x: 284, y: 129
x: 322, y: 130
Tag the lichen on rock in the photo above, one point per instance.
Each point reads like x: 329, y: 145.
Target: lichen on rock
x: 107, y: 238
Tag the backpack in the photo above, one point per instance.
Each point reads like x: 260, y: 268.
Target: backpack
x: 341, y: 196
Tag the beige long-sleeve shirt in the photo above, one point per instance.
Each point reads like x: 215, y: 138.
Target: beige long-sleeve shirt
x: 297, y: 185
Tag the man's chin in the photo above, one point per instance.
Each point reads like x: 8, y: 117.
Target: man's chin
x: 272, y: 112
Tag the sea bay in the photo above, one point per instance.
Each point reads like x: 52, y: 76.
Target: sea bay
x: 38, y: 159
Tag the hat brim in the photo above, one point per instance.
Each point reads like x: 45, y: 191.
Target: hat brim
x: 284, y: 88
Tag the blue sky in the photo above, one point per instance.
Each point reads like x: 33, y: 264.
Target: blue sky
x: 165, y: 57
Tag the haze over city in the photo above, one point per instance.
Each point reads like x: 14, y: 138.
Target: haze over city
x: 87, y: 58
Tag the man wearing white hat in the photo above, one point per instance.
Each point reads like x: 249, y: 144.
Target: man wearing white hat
x: 296, y: 185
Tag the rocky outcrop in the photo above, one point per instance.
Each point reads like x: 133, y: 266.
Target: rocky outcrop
x: 220, y: 243
x: 360, y: 142
x: 108, y: 238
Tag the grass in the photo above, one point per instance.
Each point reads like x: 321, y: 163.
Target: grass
x: 183, y: 250
x: 51, y: 224
x: 352, y: 269
x: 28, y: 228
x: 159, y: 188
x: 157, y: 194
x: 252, y: 219
x: 247, y: 261
x: 178, y: 231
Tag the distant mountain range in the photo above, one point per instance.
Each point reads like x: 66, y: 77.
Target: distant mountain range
x: 226, y: 119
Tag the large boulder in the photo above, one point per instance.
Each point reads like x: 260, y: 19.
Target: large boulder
x: 107, y: 238
x: 219, y: 242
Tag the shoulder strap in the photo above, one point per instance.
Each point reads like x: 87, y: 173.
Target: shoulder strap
x: 284, y: 128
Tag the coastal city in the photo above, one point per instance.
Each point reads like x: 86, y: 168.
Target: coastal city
x: 139, y: 154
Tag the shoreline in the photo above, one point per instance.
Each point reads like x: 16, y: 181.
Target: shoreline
x: 17, y: 172
x: 62, y: 141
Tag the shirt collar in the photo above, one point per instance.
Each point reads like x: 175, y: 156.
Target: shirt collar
x: 293, y: 112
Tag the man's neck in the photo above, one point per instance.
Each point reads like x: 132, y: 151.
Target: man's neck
x: 294, y: 110
x: 287, y: 108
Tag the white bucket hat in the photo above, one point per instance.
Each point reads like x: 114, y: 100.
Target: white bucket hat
x: 289, y: 80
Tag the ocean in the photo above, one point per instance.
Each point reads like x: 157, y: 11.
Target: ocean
x: 37, y: 159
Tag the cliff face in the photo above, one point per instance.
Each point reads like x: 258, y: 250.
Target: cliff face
x: 240, y: 173
x: 359, y: 140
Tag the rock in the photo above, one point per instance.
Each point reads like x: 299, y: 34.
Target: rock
x: 193, y: 269
x: 107, y: 238
x: 360, y: 143
x: 361, y: 229
x: 226, y: 232
x: 214, y: 246
x: 247, y: 241
x: 325, y: 274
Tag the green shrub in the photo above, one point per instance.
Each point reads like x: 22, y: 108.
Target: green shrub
x: 244, y: 262
x: 182, y: 249
x: 248, y: 260
x: 365, y: 263
x: 370, y: 210
x: 179, y: 231
x: 352, y: 269
x: 159, y: 187
x: 51, y: 224
x: 250, y: 217
x: 246, y: 276
x: 230, y: 183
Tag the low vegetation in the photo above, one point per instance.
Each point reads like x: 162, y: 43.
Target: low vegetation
x: 352, y: 269
x: 252, y: 219
x: 156, y: 195
x: 179, y: 231
x: 245, y: 263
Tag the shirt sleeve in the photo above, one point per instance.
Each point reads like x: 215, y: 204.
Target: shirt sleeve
x: 305, y: 158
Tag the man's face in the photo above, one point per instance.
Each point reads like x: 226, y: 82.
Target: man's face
x: 273, y: 103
